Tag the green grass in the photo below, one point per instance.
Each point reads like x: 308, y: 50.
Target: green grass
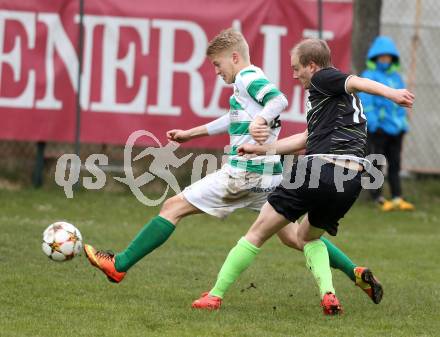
x: 39, y: 297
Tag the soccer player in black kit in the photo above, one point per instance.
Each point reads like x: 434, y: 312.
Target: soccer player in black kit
x: 335, y: 144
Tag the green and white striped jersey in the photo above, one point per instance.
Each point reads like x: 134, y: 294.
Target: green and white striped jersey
x: 252, y: 90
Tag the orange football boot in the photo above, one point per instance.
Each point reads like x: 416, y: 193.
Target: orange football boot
x: 330, y: 304
x: 207, y: 302
x: 369, y: 283
x: 105, y: 261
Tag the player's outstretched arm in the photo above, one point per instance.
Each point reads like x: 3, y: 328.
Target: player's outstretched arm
x: 288, y: 145
x: 181, y: 136
x: 217, y: 126
x: 402, y: 97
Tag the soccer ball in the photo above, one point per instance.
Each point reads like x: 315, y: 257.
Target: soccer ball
x: 62, y: 241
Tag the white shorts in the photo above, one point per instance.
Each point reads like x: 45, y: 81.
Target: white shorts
x: 222, y: 192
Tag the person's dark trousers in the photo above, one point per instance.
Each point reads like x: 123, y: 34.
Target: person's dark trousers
x: 391, y: 147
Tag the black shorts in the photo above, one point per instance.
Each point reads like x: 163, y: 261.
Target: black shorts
x: 323, y: 194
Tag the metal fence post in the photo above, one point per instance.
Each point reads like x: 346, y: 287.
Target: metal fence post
x: 320, y: 19
x: 37, y: 175
x: 78, y: 92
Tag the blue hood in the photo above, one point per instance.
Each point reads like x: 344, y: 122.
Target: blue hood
x: 383, y: 45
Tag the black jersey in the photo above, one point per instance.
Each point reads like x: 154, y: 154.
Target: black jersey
x: 335, y: 120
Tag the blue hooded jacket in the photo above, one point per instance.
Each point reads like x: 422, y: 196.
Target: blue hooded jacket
x: 381, y: 112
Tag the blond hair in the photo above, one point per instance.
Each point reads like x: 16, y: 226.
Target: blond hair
x: 228, y: 40
x: 313, y: 50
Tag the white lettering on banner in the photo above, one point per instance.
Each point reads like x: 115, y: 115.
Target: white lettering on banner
x: 56, y: 40
x: 213, y: 109
x: 13, y: 58
x: 314, y: 34
x: 111, y: 64
x: 167, y: 66
x: 236, y: 24
x: 58, y: 43
x: 272, y: 48
x: 294, y: 114
x: 89, y: 22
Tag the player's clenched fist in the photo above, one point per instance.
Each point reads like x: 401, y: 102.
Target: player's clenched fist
x: 403, y: 97
x: 259, y: 130
x: 177, y: 135
x: 252, y: 149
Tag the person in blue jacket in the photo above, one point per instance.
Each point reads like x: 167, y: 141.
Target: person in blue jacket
x: 387, y: 122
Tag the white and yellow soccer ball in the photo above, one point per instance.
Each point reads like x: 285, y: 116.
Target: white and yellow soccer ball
x: 62, y: 241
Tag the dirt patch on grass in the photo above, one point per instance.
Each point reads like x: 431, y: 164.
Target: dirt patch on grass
x: 9, y: 185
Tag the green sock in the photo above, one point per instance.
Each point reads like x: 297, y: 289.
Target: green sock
x: 151, y: 236
x: 317, y: 260
x: 239, y: 258
x: 339, y: 260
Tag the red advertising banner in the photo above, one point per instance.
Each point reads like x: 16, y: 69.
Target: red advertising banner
x: 144, y: 64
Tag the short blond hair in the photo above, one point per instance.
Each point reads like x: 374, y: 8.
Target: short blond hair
x: 313, y: 50
x: 228, y: 40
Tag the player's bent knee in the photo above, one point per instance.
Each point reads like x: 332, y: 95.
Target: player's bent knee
x: 301, y: 244
x: 256, y: 238
x: 170, y: 209
x: 175, y: 208
x: 167, y: 205
x: 289, y: 242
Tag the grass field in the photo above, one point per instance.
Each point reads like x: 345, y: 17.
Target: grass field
x: 39, y: 297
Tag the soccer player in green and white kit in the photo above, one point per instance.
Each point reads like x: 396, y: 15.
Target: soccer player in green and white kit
x: 335, y: 144
x: 240, y: 183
